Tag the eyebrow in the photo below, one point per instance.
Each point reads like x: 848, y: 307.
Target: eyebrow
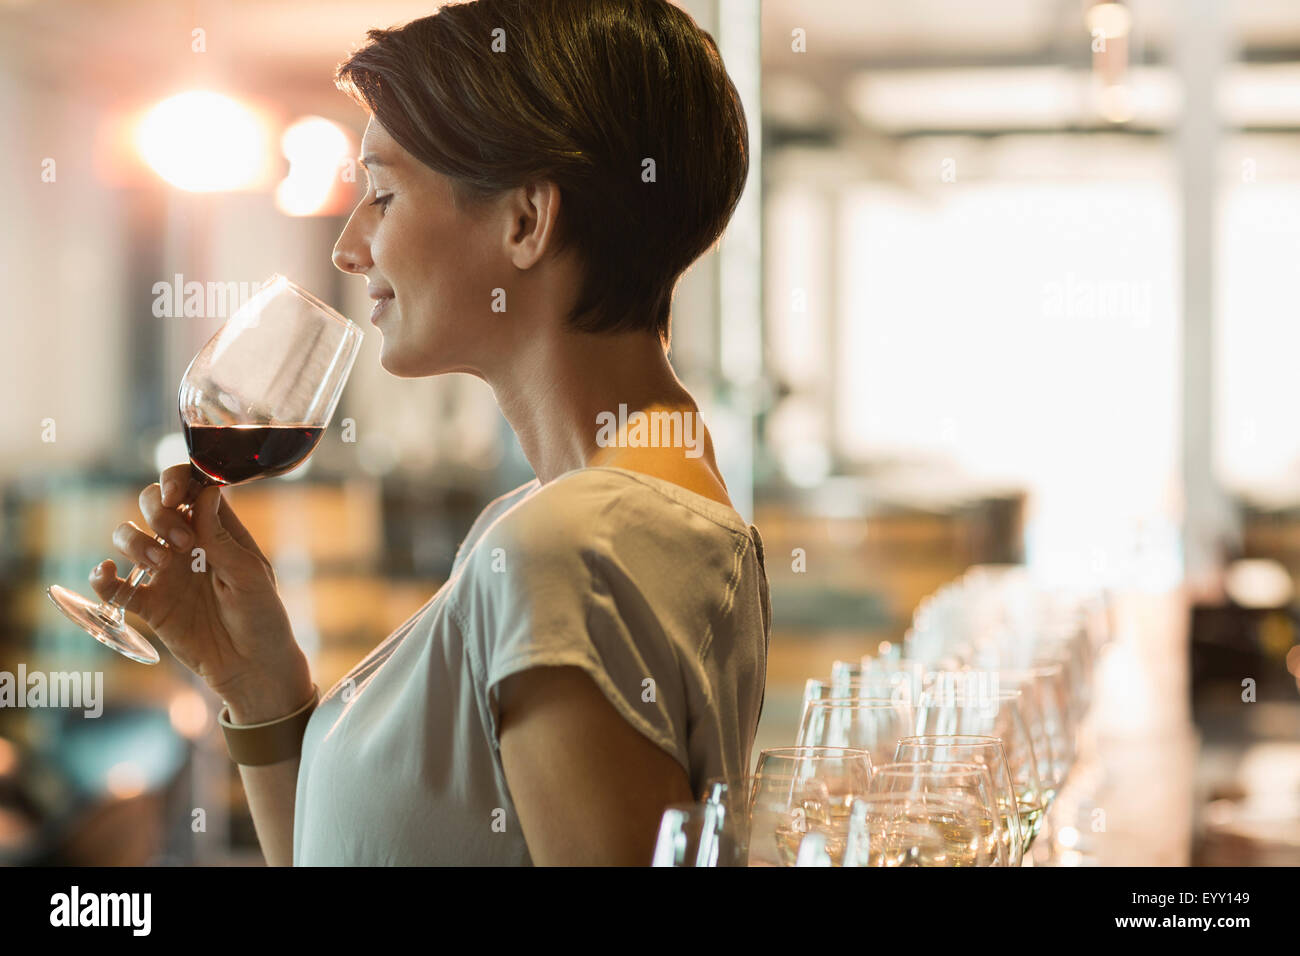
x: 370, y: 159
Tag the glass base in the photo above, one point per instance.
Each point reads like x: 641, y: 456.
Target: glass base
x: 110, y: 630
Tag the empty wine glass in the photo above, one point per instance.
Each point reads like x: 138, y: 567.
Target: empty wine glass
x: 253, y: 403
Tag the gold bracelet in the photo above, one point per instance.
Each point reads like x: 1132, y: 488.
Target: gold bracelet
x: 256, y: 745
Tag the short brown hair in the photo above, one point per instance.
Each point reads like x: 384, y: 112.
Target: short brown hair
x: 584, y: 92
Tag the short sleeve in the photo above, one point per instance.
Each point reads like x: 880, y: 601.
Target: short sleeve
x: 546, y: 593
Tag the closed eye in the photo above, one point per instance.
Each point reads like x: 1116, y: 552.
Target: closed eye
x: 382, y: 201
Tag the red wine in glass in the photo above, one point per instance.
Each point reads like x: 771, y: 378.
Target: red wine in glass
x: 229, y: 454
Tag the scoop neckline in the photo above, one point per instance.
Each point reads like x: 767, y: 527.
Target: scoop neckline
x: 714, y: 510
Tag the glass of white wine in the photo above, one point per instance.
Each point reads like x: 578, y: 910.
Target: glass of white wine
x: 773, y: 813
x: 845, y: 772
x: 957, y: 780
x: 1045, y: 686
x: 915, y: 828
x: 696, y: 834
x: 1017, y: 821
x: 998, y: 716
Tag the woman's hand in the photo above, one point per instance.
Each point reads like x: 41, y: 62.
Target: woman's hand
x: 217, y: 610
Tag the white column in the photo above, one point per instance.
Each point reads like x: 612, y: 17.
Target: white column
x: 1200, y: 56
x: 740, y: 259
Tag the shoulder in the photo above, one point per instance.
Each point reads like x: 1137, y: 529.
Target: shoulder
x: 490, y: 513
x: 499, y: 505
x: 609, y: 510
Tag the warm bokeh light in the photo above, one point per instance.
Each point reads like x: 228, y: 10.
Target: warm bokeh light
x: 1115, y: 103
x: 188, y: 712
x: 1111, y: 20
x: 1259, y: 583
x: 8, y: 757
x: 170, y: 450
x: 201, y: 141
x: 316, y: 149
x: 125, y: 780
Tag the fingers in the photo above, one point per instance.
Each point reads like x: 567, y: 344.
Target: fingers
x: 176, y: 485
x: 140, y: 547
x: 106, y: 583
x: 166, y: 522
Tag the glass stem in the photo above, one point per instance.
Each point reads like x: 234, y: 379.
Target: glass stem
x: 142, y: 574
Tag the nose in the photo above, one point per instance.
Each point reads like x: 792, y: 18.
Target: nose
x: 352, y: 251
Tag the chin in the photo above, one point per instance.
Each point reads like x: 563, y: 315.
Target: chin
x: 404, y: 363
x: 392, y: 361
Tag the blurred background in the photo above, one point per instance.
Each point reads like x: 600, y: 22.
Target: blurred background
x: 1010, y: 283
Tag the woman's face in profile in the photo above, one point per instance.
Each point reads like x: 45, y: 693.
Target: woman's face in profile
x: 430, y: 267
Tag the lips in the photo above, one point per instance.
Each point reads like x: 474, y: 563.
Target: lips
x: 381, y: 305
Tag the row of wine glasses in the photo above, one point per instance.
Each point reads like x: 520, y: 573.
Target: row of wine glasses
x: 999, y: 622
x: 947, y: 750
x: 945, y: 807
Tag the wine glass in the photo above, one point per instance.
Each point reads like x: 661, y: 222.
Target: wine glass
x: 987, y: 844
x: 696, y: 834
x: 1013, y: 691
x: 1044, y: 691
x: 773, y: 813
x: 814, y: 850
x: 915, y: 828
x: 988, y: 752
x: 253, y: 403
x: 845, y: 772
x: 874, y: 688
x: 999, y: 717
x: 871, y: 724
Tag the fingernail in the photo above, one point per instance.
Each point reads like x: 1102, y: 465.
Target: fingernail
x: 155, y: 554
x: 98, y: 570
x: 170, y: 489
x: 179, y: 537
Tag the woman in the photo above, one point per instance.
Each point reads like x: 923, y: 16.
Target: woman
x: 540, y: 172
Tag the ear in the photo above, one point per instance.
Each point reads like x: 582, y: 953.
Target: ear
x: 532, y: 217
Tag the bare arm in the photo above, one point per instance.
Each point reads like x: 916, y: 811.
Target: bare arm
x: 271, y: 789
x: 588, y: 787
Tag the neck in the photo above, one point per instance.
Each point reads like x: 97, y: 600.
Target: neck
x: 552, y: 392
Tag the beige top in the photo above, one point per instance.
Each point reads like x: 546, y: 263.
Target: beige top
x: 656, y: 592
